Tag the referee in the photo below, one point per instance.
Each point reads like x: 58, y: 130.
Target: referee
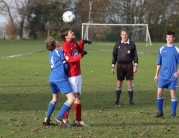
x: 124, y: 54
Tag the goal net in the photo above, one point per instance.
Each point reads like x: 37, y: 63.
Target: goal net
x: 111, y: 32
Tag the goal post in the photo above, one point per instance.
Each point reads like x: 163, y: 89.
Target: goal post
x: 111, y: 32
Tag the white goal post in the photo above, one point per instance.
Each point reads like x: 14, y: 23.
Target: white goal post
x: 107, y: 32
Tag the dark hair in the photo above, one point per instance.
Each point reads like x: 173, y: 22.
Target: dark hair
x: 171, y: 33
x: 64, y: 32
x: 50, y: 44
x: 124, y: 30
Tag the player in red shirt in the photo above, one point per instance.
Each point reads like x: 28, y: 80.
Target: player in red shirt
x: 73, y: 53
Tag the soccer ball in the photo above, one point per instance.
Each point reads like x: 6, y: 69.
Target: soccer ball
x: 68, y: 16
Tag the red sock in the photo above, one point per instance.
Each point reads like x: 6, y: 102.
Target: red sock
x: 66, y: 114
x: 77, y: 108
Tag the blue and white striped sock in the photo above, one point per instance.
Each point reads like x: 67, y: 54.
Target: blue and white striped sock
x: 160, y: 104
x: 50, y: 109
x: 63, y: 110
x: 174, y: 105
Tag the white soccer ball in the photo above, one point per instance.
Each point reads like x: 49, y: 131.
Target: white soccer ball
x: 68, y: 16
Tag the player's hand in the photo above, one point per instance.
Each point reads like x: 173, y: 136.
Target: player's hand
x: 87, y: 42
x: 113, y: 70
x: 83, y: 53
x: 135, y: 69
x: 156, y: 78
x: 176, y: 74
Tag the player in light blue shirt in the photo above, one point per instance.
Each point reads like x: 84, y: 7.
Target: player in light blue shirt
x: 167, y: 73
x: 58, y: 81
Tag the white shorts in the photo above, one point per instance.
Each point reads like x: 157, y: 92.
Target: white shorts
x: 76, y: 83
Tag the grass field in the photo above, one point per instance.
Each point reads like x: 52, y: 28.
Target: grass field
x: 25, y: 94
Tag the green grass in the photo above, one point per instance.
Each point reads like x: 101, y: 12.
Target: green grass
x: 25, y: 94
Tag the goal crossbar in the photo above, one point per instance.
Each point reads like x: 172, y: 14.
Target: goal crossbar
x: 148, y: 39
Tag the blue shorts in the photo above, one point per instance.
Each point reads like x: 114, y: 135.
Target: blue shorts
x: 63, y: 86
x: 169, y: 84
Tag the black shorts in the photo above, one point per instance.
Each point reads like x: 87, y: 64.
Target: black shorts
x: 125, y: 71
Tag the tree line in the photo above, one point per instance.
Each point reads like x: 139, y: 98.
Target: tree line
x: 40, y: 19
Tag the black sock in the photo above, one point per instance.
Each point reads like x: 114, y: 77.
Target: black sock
x: 130, y: 96
x: 118, y: 93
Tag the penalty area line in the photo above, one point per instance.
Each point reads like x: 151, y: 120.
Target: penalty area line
x: 20, y: 55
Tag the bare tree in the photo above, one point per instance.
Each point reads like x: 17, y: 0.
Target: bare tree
x: 7, y: 11
x: 22, y: 9
x: 97, y: 12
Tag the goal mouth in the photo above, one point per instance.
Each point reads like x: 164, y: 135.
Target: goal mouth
x: 111, y: 32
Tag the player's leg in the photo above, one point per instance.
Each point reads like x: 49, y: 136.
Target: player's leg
x: 130, y: 91
x: 118, y: 92
x: 76, y: 83
x: 129, y: 77
x: 161, y: 85
x: 70, y: 100
x: 159, y: 102
x: 52, y: 104
x: 120, y: 78
x: 74, y: 88
x: 173, y: 102
x: 173, y: 85
x: 65, y: 117
x: 66, y: 89
x: 78, y: 110
x: 78, y: 107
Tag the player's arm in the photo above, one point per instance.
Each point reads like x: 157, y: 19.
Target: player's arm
x: 135, y: 59
x: 156, y: 73
x: 80, y: 46
x: 159, y: 63
x: 69, y: 57
x: 176, y: 74
x: 114, y: 59
x: 135, y: 56
x: 62, y: 57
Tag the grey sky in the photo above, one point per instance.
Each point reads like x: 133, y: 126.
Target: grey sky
x: 2, y: 19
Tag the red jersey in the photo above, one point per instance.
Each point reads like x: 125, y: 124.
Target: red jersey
x: 72, y: 54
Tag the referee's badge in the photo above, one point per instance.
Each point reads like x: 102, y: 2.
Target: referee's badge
x: 128, y: 52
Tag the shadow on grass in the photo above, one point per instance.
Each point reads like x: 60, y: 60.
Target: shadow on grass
x: 137, y: 124
x: 30, y: 85
x: 22, y: 98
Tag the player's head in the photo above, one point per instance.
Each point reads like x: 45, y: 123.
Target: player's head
x: 50, y: 44
x: 124, y: 35
x: 170, y: 37
x: 67, y: 34
x: 171, y: 33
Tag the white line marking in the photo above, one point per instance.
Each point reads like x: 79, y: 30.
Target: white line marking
x: 18, y: 55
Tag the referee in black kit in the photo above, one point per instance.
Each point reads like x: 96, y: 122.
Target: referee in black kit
x: 124, y: 53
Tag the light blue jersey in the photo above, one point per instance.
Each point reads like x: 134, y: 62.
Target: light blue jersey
x: 58, y: 68
x: 168, y: 58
